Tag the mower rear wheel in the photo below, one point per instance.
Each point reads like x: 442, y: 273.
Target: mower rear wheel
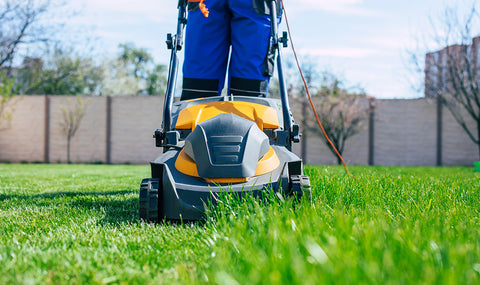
x: 300, y: 187
x: 148, y: 200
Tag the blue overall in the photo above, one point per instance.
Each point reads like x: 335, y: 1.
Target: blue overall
x: 239, y: 28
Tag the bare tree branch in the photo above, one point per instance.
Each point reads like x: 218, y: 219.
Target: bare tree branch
x: 452, y: 73
x: 342, y: 117
x: 21, y: 24
x: 72, y: 116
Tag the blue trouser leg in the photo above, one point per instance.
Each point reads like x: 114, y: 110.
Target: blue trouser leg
x: 232, y: 23
x: 207, y: 44
x: 250, y: 37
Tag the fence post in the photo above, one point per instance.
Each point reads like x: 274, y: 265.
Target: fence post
x: 371, y: 131
x: 46, y: 149
x: 439, y: 131
x: 108, y: 158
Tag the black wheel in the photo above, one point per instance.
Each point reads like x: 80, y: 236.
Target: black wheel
x: 300, y: 187
x: 148, y: 202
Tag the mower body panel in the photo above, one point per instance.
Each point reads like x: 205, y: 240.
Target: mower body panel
x: 185, y: 197
x: 221, y: 144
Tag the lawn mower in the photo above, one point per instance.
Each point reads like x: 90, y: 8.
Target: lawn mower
x: 232, y: 144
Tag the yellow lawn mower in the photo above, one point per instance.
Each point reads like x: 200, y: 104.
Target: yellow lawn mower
x: 237, y: 144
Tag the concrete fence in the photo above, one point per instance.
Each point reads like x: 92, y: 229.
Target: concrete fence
x: 119, y: 130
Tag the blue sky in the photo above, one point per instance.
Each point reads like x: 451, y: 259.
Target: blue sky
x: 363, y: 41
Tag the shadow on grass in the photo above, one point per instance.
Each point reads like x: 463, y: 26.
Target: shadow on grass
x: 65, y: 194
x: 119, y: 206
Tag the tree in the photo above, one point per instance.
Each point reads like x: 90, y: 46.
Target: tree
x: 156, y: 81
x: 292, y: 80
x: 72, y: 116
x: 20, y: 25
x: 134, y: 72
x: 63, y: 74
x: 452, y: 74
x: 136, y: 60
x: 341, y: 111
x: 7, y: 93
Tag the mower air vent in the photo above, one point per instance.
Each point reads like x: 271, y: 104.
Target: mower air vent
x: 226, y: 149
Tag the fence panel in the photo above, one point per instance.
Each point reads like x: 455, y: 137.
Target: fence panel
x: 404, y: 133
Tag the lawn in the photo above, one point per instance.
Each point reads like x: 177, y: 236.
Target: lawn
x: 390, y: 225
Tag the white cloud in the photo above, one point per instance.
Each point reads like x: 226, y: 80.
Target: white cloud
x: 127, y: 10
x: 350, y: 7
x: 106, y: 23
x: 342, y: 52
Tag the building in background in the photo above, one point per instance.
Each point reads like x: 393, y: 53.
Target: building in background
x: 455, y: 66
x: 452, y: 77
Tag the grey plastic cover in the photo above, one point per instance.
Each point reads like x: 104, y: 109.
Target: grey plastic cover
x: 226, y: 146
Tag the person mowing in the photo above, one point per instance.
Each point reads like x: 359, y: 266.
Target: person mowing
x: 227, y: 39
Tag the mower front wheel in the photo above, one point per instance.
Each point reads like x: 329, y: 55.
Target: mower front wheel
x: 148, y: 200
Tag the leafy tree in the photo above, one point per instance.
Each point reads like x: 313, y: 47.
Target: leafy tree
x: 72, y: 116
x: 117, y: 81
x: 292, y: 80
x: 134, y: 72
x: 7, y: 94
x: 156, y: 80
x: 63, y: 74
x: 136, y: 60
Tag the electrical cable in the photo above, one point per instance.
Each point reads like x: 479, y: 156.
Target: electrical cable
x: 308, y: 93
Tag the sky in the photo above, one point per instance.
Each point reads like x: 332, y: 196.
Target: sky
x: 364, y: 42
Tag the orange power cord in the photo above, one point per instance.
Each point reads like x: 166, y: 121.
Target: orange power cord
x: 308, y: 93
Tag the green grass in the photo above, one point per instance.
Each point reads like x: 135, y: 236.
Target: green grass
x: 390, y: 225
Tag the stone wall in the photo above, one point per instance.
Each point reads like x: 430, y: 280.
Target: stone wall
x: 457, y: 147
x: 119, y: 130
x: 89, y: 143
x: 134, y: 120
x: 24, y: 138
x: 316, y: 150
x: 405, y: 132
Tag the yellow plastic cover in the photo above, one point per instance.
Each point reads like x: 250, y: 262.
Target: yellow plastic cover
x: 264, y: 116
x: 267, y: 163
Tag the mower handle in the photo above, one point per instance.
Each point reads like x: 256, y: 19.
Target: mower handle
x: 175, y: 44
x: 288, y: 125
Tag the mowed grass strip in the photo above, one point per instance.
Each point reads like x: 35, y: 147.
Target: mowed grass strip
x: 79, y: 224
